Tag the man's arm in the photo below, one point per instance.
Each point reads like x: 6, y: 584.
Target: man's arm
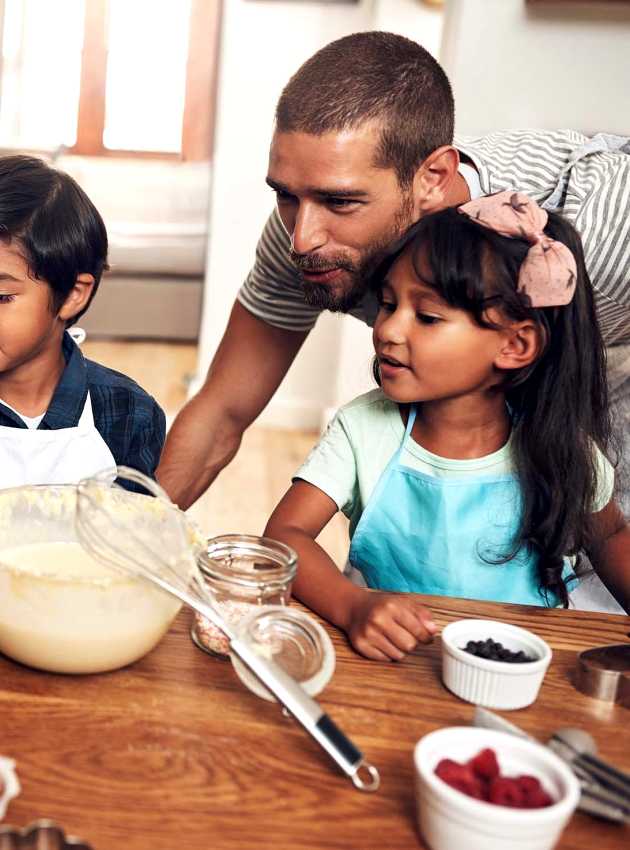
x: 251, y: 361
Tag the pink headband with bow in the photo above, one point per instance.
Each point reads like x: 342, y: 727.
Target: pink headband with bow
x: 548, y: 273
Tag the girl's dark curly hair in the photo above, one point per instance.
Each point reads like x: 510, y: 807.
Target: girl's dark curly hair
x: 559, y: 403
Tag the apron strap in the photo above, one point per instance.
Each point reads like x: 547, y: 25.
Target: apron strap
x: 410, y: 420
x: 86, y: 420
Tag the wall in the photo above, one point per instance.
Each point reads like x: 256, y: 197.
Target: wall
x: 262, y: 43
x: 515, y: 64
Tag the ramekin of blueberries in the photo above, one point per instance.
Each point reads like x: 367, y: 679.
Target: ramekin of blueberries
x: 493, y: 664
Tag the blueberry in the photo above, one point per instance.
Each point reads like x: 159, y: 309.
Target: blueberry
x: 495, y: 651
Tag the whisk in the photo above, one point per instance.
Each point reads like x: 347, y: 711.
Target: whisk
x: 152, y: 539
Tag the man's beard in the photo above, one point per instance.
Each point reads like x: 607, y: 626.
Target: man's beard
x: 342, y: 300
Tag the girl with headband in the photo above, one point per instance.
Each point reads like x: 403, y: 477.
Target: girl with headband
x: 481, y: 467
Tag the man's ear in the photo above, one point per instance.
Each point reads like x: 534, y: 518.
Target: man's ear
x: 522, y: 344
x: 434, y: 179
x: 78, y: 297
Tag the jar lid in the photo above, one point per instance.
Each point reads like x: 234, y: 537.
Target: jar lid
x: 294, y: 641
x: 248, y: 560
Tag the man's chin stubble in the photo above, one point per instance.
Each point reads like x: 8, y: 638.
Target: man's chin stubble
x: 320, y: 296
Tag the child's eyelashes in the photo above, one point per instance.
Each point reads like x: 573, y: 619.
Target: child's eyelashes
x: 390, y: 307
x: 426, y: 319
x: 6, y: 299
x: 386, y: 306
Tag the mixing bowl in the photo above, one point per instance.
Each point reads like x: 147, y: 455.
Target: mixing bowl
x: 60, y: 610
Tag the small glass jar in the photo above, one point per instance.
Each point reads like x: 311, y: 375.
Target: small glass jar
x: 295, y: 641
x: 242, y: 571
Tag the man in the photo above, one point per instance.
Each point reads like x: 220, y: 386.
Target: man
x: 363, y: 147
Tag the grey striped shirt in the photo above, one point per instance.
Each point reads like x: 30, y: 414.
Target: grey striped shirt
x: 586, y: 179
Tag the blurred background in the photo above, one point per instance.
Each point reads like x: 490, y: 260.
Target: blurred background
x: 163, y: 111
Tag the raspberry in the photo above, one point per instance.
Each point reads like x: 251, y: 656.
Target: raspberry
x: 535, y: 796
x: 480, y: 778
x: 505, y: 791
x: 528, y: 784
x: 460, y: 777
x: 485, y: 764
x: 537, y: 800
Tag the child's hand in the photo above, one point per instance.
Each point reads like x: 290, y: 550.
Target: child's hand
x: 386, y: 626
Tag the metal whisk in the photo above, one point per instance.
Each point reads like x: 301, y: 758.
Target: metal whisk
x: 152, y: 539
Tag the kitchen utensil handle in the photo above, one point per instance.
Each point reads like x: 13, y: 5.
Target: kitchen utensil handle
x: 310, y: 715
x: 489, y: 720
x: 605, y: 773
x: 592, y: 798
x: 593, y: 805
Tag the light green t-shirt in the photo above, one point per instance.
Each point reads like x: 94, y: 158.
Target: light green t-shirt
x: 360, y: 441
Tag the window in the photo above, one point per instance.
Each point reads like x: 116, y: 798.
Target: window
x: 105, y: 77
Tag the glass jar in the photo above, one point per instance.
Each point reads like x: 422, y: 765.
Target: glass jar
x: 295, y: 641
x: 242, y: 571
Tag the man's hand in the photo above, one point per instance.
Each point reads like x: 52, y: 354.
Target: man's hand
x: 250, y: 363
x: 387, y: 626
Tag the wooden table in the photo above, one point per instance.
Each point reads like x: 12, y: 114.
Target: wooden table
x: 173, y: 753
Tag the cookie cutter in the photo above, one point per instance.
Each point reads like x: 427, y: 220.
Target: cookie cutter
x: 604, y: 673
x: 42, y: 834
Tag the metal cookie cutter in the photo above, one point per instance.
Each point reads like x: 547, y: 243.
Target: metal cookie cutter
x: 604, y: 673
x: 39, y: 835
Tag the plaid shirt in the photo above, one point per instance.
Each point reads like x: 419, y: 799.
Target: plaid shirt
x: 129, y: 420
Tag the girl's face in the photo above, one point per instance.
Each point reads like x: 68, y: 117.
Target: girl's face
x: 426, y: 349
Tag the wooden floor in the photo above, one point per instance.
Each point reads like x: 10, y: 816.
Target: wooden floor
x: 243, y: 496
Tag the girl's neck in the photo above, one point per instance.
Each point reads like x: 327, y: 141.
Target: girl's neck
x: 29, y: 387
x: 462, y: 428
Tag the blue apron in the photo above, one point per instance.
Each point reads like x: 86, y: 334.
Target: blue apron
x: 443, y: 536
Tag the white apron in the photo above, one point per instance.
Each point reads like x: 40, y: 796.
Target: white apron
x: 64, y: 456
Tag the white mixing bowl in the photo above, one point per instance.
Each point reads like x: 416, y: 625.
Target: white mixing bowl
x: 67, y: 621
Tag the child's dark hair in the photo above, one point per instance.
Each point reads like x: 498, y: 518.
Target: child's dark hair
x: 559, y: 403
x: 59, y: 229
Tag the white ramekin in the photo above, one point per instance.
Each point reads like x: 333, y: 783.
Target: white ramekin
x: 494, y: 684
x: 450, y: 820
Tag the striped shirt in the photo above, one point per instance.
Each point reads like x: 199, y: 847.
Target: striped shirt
x: 586, y: 179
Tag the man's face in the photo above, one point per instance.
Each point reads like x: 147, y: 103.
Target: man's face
x: 340, y: 210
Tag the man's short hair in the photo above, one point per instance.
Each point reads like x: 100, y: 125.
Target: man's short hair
x: 373, y: 76
x: 58, y: 228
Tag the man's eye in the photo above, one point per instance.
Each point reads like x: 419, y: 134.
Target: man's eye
x: 283, y: 197
x: 341, y: 203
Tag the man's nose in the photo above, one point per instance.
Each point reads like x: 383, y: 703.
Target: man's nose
x: 308, y: 232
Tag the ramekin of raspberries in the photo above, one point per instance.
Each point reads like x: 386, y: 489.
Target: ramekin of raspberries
x: 481, y: 789
x: 480, y: 777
